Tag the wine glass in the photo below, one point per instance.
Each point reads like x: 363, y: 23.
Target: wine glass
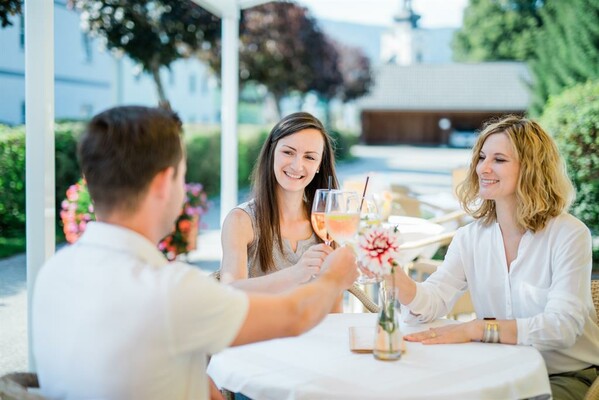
x: 342, y: 215
x: 319, y: 207
x: 369, y: 213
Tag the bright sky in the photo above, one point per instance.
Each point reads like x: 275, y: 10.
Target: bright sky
x: 434, y: 13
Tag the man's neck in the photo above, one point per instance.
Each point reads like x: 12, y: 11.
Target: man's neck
x: 134, y: 222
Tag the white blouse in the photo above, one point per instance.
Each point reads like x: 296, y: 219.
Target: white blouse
x: 546, y: 290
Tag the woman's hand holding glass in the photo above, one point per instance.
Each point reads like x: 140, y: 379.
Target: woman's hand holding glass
x: 310, y: 262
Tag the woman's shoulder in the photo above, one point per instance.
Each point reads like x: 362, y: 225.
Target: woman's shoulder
x: 248, y: 206
x: 566, y: 222
x: 241, y: 217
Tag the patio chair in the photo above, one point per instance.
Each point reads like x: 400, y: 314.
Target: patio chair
x: 14, y: 386
x: 593, y: 393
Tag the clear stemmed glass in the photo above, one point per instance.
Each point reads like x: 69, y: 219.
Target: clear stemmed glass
x: 342, y: 215
x: 369, y: 213
x: 319, y: 207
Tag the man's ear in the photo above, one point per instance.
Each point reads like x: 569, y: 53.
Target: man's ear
x: 161, y: 184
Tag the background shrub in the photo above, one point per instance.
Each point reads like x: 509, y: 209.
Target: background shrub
x: 573, y: 119
x: 343, y: 141
x: 12, y: 173
x: 12, y: 182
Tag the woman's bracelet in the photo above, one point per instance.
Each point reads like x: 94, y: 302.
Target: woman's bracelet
x: 491, y: 332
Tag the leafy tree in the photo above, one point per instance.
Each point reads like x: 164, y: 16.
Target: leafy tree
x: 567, y: 48
x: 355, y: 70
x: 282, y: 48
x: 9, y: 8
x: 153, y: 33
x: 498, y: 30
x: 325, y: 77
x: 274, y: 50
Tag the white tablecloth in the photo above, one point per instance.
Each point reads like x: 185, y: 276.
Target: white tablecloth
x: 319, y: 365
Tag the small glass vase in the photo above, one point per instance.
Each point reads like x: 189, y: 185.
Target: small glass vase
x: 388, y: 340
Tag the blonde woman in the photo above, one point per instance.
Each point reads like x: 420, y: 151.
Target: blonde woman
x: 525, y: 260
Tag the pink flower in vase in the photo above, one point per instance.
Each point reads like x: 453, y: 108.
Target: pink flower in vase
x: 379, y: 249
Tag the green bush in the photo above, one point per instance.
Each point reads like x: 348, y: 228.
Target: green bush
x: 573, y: 119
x: 342, y: 142
x: 12, y: 182
x: 203, y: 159
x: 12, y: 173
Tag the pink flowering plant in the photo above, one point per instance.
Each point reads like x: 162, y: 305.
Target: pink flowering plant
x: 183, y: 238
x: 78, y: 210
x: 378, y: 251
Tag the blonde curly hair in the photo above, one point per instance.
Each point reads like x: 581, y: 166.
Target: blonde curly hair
x: 543, y: 189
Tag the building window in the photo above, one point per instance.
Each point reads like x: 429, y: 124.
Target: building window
x: 23, y: 112
x: 204, y: 83
x: 192, y: 83
x: 87, y: 48
x: 22, y: 30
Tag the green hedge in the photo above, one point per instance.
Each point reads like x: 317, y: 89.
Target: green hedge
x: 573, y: 119
x: 12, y: 173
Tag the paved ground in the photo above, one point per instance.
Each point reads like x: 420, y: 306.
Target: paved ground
x: 425, y: 170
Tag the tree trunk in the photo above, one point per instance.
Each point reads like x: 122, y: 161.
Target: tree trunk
x: 327, y: 114
x: 278, y: 98
x: 302, y: 101
x: 162, y: 100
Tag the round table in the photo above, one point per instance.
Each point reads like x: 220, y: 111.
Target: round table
x: 320, y: 365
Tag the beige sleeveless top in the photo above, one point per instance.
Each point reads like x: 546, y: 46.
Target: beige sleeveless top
x: 280, y: 260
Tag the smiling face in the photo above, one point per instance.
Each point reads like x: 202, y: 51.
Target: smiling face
x: 498, y: 169
x: 297, y: 157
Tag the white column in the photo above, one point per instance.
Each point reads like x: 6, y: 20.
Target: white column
x: 39, y: 142
x: 230, y: 88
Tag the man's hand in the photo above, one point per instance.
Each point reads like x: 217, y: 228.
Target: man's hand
x: 341, y: 267
x: 311, y: 261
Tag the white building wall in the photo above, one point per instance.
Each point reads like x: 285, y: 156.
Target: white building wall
x: 83, y: 76
x: 88, y: 80
x: 189, y: 85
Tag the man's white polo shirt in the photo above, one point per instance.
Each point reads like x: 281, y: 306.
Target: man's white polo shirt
x: 112, y: 319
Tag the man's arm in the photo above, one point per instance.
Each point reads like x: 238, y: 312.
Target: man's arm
x: 296, y: 311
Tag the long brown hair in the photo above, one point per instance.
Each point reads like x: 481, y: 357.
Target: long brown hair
x: 264, y: 182
x: 543, y: 190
